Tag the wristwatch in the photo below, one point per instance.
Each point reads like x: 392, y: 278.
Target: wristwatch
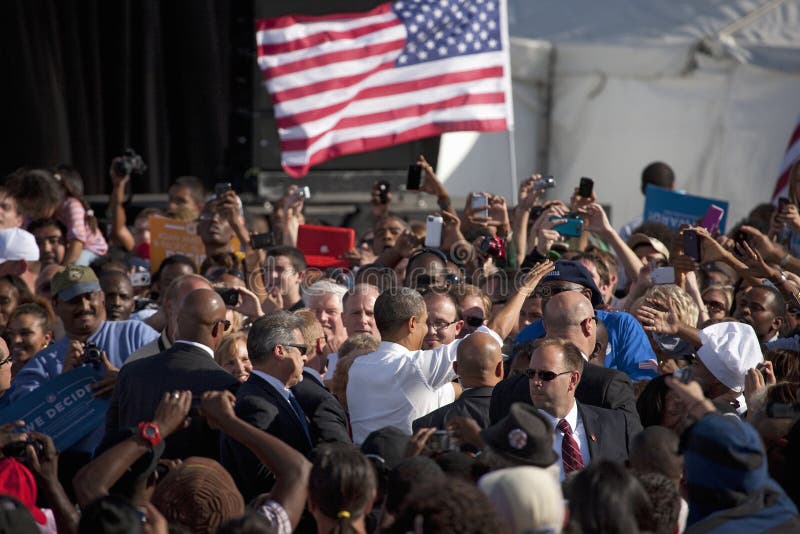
x: 149, y: 432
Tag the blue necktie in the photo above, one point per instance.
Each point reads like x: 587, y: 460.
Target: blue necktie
x: 298, y: 411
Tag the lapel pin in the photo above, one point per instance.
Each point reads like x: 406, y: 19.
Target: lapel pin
x: 593, y: 437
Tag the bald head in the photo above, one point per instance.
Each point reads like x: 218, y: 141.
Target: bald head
x: 200, y: 318
x: 479, y: 361
x: 567, y: 315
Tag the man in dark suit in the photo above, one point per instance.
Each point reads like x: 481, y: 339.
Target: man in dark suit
x: 583, y: 433
x: 188, y: 365
x: 569, y: 315
x: 325, y: 414
x: 277, y: 351
x: 479, y: 366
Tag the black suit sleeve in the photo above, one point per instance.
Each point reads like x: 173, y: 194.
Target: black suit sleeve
x: 329, y: 422
x: 112, y: 415
x: 513, y: 389
x: 620, y: 393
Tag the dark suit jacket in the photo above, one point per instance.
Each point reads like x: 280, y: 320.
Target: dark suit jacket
x: 327, y: 417
x: 472, y: 403
x: 141, y: 385
x: 599, y: 386
x: 261, y: 405
x: 606, y: 432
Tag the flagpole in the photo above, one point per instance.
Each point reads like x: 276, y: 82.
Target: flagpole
x: 512, y: 154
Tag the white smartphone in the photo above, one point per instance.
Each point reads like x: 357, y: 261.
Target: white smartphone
x: 140, y: 279
x: 433, y: 231
x: 663, y: 275
x: 480, y: 200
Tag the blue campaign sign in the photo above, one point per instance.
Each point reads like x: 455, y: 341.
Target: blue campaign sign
x: 63, y: 408
x: 674, y: 209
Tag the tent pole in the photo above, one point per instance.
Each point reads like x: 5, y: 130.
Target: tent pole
x: 512, y: 154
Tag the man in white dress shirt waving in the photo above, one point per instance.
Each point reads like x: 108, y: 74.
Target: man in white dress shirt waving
x: 398, y: 383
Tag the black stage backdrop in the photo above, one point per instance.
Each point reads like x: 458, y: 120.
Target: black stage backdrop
x: 80, y: 80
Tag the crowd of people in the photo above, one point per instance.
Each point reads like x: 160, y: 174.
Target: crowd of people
x: 508, y: 377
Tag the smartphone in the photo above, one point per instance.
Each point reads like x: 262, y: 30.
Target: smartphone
x: 545, y: 182
x: 439, y: 441
x: 663, y: 275
x: 414, y: 181
x: 229, y: 296
x: 479, y: 201
x: 712, y: 218
x: 221, y: 188
x: 783, y: 204
x: 740, y: 237
x: 572, y: 227
x: 433, y: 231
x: 691, y: 244
x: 265, y: 240
x: 303, y: 192
x: 140, y: 279
x: 586, y: 187
x: 684, y: 374
x: 383, y: 191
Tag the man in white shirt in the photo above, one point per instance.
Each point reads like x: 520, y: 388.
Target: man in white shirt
x: 398, y: 383
x: 582, y: 432
x: 358, y: 317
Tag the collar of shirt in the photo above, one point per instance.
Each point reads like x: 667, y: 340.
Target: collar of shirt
x: 198, y: 345
x: 314, y: 373
x: 571, y: 417
x: 274, y: 382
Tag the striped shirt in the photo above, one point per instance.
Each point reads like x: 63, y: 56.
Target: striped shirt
x: 73, y: 215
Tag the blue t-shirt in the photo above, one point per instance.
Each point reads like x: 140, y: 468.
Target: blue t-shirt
x: 119, y: 339
x: 627, y: 343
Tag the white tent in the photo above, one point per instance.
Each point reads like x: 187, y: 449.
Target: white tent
x: 601, y: 89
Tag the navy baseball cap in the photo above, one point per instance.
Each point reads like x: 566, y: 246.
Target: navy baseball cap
x: 576, y: 273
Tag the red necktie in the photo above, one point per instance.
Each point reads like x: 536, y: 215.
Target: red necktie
x: 570, y: 453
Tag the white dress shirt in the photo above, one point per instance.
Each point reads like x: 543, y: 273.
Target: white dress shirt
x: 393, y: 386
x: 578, y: 432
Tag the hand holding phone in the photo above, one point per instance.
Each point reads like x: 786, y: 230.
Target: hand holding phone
x: 586, y: 187
x: 414, y: 181
x: 691, y: 244
x: 229, y: 296
x: 433, y: 231
x: 478, y: 202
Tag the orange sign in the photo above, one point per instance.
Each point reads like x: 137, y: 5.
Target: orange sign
x: 170, y: 237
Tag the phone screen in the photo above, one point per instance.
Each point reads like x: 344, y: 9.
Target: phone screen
x: 414, y: 177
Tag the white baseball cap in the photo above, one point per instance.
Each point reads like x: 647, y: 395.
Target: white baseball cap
x: 729, y: 350
x: 18, y: 244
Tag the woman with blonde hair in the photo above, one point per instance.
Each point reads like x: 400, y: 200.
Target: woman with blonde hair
x: 232, y: 356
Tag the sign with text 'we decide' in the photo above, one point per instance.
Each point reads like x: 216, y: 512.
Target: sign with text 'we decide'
x: 63, y: 408
x: 673, y: 209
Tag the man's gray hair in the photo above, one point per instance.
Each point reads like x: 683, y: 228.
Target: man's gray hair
x: 325, y: 287
x: 396, y: 306
x: 269, y: 331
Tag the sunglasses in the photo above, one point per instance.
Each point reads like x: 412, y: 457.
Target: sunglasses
x: 545, y: 376
x: 302, y: 348
x: 5, y: 360
x: 226, y: 324
x: 425, y: 280
x: 548, y: 291
x: 474, y: 322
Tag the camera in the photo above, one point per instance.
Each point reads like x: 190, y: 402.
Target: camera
x: 545, y: 182
x: 92, y: 355
x: 684, y: 374
x: 129, y: 163
x: 493, y: 246
x: 17, y: 449
x: 440, y: 441
x: 383, y: 188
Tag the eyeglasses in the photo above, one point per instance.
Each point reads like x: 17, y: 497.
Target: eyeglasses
x: 441, y: 325
x: 218, y: 273
x: 226, y: 324
x: 474, y: 322
x: 302, y: 348
x: 6, y: 360
x: 545, y: 376
x: 714, y: 306
x: 548, y: 291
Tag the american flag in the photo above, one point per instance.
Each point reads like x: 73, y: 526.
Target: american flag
x: 789, y: 158
x: 348, y: 83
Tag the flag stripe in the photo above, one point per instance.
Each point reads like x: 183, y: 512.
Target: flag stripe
x: 290, y: 27
x: 344, y: 56
x: 321, y: 38
x: 789, y: 158
x: 413, y: 110
x: 372, y: 143
x: 486, y: 111
x: 387, y: 97
x: 386, y: 83
x: 392, y: 33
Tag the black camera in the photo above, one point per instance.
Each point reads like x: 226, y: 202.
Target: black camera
x: 129, y: 163
x: 17, y: 449
x: 92, y: 355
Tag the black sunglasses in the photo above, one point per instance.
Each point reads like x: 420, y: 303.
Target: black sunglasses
x: 545, y: 376
x: 226, y: 324
x: 473, y: 321
x: 302, y: 348
x: 548, y: 291
x: 425, y: 280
